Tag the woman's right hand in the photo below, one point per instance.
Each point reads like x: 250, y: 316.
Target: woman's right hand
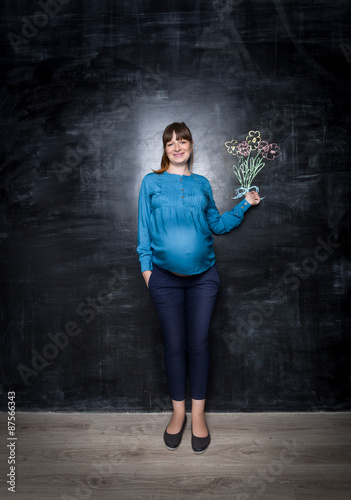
x: 146, y: 276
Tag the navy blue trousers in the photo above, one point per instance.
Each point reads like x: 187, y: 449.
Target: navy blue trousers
x: 184, y: 306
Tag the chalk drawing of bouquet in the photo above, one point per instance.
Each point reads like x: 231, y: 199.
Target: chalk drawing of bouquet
x: 251, y: 155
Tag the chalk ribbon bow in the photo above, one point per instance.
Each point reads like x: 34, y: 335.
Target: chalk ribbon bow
x: 241, y: 191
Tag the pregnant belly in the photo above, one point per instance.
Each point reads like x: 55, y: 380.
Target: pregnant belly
x: 187, y: 246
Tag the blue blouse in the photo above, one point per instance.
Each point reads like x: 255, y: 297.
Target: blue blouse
x: 177, y: 216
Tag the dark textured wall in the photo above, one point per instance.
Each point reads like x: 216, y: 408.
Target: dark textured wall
x: 87, y: 89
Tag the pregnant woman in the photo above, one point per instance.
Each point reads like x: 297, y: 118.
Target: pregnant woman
x: 177, y: 216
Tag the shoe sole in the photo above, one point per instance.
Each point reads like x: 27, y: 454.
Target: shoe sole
x: 199, y: 452
x: 172, y: 449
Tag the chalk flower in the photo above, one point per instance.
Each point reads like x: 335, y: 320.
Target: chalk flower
x: 243, y: 149
x: 263, y: 148
x: 253, y: 139
x: 273, y: 152
x: 232, y: 147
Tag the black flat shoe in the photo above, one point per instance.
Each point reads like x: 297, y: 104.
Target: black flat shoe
x: 200, y: 445
x: 172, y: 441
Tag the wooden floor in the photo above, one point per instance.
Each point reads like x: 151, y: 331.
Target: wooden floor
x: 122, y: 456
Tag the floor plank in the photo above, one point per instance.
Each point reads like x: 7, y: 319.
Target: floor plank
x: 266, y: 456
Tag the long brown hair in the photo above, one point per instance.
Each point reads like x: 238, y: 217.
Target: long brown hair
x: 182, y: 132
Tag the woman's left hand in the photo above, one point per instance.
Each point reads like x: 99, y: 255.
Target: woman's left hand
x: 252, y: 197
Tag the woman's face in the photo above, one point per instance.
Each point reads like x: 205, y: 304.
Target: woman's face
x: 178, y: 151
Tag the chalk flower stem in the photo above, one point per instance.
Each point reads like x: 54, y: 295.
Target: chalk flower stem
x: 247, y: 169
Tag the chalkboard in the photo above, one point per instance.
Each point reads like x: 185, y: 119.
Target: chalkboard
x: 87, y: 89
